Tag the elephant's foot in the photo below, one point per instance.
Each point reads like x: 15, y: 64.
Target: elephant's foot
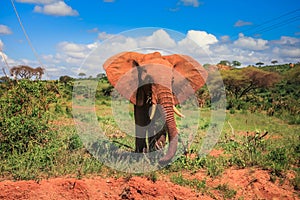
x: 140, y: 145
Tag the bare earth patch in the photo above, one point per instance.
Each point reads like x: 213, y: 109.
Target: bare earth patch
x: 248, y: 183
x: 251, y: 183
x: 96, y: 188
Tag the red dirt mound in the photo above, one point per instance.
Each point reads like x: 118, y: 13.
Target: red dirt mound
x: 248, y: 183
x: 94, y: 189
x: 251, y: 183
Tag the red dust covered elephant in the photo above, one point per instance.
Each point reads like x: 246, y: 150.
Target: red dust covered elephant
x: 149, y: 80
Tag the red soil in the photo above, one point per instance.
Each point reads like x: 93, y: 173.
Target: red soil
x: 248, y: 183
x: 96, y: 188
x: 251, y: 183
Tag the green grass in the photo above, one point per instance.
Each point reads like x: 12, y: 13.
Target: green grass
x: 192, y: 183
x: 227, y: 193
x: 65, y: 153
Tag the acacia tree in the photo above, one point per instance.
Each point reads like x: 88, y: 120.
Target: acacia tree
x: 225, y: 62
x: 239, y: 82
x: 81, y: 74
x: 65, y: 79
x: 26, y: 72
x: 259, y: 64
x: 236, y: 63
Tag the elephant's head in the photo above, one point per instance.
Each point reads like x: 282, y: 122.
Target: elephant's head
x: 169, y: 80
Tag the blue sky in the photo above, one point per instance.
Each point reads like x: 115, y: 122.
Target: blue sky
x: 64, y: 33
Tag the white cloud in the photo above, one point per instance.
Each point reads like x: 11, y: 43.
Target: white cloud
x: 5, y: 30
x: 194, y: 3
x: 71, y: 58
x: 287, y: 52
x: 89, y: 59
x: 199, y: 41
x: 59, y: 8
x: 250, y: 43
x: 225, y: 38
x: 1, y: 45
x: 104, y: 36
x: 222, y: 50
x: 240, y: 23
x: 202, y: 38
x: 285, y: 40
x: 3, y: 56
x: 109, y: 1
x: 73, y: 50
x: 158, y: 38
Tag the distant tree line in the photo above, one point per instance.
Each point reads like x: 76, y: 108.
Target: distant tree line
x: 273, y: 89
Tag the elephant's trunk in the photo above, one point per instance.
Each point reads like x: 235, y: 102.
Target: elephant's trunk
x: 165, y: 99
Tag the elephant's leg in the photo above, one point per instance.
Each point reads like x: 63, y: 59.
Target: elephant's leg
x: 140, y: 139
x: 151, y: 137
x: 158, y: 141
x: 141, y: 121
x: 157, y: 130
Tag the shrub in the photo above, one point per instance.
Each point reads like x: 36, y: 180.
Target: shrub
x: 24, y: 116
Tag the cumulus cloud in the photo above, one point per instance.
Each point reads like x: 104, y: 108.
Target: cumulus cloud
x: 5, y: 30
x: 240, y: 23
x: 104, y: 36
x: 59, y: 8
x: 72, y: 58
x: 287, y: 52
x: 197, y: 42
x: 250, y: 43
x: 194, y: 3
x: 225, y: 38
x: 286, y: 40
x: 159, y: 37
x: 74, y: 51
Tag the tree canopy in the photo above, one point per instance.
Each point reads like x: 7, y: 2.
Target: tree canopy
x: 239, y: 82
x: 26, y: 72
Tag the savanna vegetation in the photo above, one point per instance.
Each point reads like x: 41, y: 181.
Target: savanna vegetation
x: 38, y: 138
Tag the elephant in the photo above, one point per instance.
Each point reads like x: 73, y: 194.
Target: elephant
x: 155, y: 84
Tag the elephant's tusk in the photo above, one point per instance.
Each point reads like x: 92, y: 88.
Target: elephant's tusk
x: 153, y: 111
x: 177, y: 112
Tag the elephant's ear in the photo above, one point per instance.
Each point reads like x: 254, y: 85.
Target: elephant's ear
x: 122, y: 74
x: 118, y: 65
x: 189, y: 76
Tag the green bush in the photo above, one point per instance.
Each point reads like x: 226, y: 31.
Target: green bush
x: 278, y: 159
x: 75, y: 142
x: 24, y: 116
